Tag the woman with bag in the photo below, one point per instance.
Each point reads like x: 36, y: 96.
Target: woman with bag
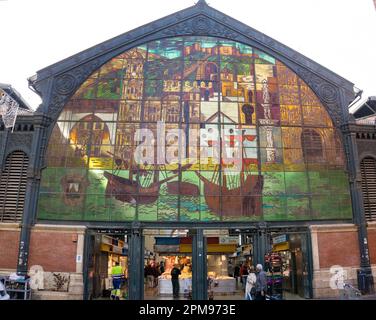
x: 250, y: 288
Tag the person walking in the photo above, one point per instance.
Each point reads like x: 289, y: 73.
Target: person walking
x: 237, y: 273
x: 175, y: 273
x: 250, y: 289
x: 156, y: 274
x: 149, y: 275
x: 117, y: 277
x: 261, y: 283
x: 243, y: 275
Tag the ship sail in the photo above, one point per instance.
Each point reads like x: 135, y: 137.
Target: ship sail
x: 238, y: 195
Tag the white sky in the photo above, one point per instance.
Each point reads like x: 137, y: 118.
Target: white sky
x: 339, y: 34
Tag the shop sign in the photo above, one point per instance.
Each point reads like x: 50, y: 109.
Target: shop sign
x: 167, y: 248
x: 107, y: 240
x: 229, y: 240
x: 117, y: 250
x: 280, y: 239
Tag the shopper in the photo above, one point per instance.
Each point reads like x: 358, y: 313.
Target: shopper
x: 149, y: 273
x: 156, y: 274
x: 175, y: 273
x: 237, y: 273
x: 117, y: 276
x: 250, y: 288
x: 243, y: 275
x: 230, y: 269
x: 261, y: 283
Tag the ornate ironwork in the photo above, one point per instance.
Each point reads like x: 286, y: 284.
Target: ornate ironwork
x: 197, y: 20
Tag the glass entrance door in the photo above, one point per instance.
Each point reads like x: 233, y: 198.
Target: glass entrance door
x: 168, y: 264
x: 104, y: 251
x: 288, y: 265
x: 229, y: 255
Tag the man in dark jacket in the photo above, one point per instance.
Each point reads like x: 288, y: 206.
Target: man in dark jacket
x: 175, y: 273
x: 261, y: 283
x: 237, y: 273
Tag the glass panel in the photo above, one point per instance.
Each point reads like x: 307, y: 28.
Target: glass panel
x: 298, y: 207
x: 316, y: 116
x: 259, y: 141
x: 274, y: 183
x: 274, y: 208
x: 291, y: 115
x: 210, y: 208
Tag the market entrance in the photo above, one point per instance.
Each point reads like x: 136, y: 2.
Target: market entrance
x: 106, y: 253
x: 233, y: 254
x: 212, y: 264
x: 289, y: 264
x: 168, y: 264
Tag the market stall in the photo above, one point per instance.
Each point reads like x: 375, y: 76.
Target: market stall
x: 178, y: 250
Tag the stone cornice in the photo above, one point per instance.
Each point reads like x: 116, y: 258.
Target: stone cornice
x: 59, y: 228
x: 10, y: 227
x: 326, y: 228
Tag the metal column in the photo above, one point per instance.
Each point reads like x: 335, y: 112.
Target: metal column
x: 365, y: 277
x: 31, y: 199
x: 136, y: 264
x: 199, y: 266
x: 260, y: 245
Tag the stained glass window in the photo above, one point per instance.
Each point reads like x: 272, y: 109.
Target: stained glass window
x: 194, y: 129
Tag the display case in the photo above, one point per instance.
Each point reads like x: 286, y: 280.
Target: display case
x: 222, y: 285
x: 165, y: 284
x: 219, y: 281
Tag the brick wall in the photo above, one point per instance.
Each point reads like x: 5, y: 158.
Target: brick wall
x: 372, y: 245
x: 338, y: 248
x: 54, y: 251
x: 9, y: 241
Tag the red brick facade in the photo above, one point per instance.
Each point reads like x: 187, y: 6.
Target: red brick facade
x: 372, y: 245
x: 338, y: 248
x: 54, y: 251
x: 9, y: 241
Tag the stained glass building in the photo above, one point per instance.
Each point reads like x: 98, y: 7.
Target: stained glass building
x: 194, y: 121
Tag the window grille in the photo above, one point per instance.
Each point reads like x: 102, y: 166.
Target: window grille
x: 13, y: 187
x: 368, y: 171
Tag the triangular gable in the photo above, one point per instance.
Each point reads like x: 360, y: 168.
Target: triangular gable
x: 58, y: 82
x: 215, y: 118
